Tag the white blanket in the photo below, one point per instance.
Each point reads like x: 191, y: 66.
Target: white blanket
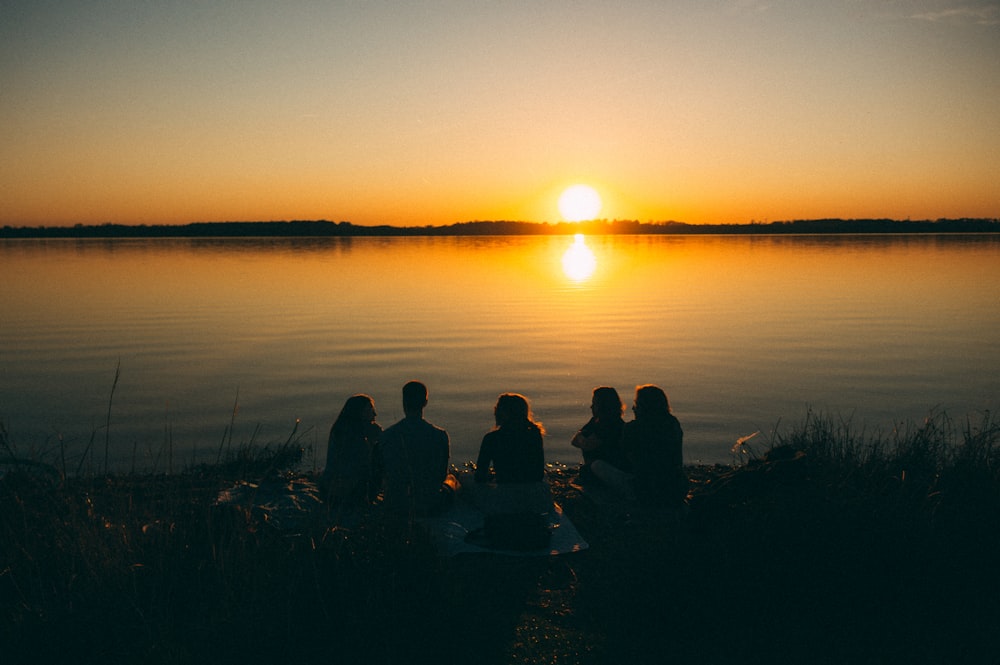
x: 450, y: 529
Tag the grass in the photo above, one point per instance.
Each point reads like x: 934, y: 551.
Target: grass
x: 822, y: 544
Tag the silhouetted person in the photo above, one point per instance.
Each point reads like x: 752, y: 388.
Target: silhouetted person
x: 413, y: 456
x: 510, y: 468
x: 512, y: 451
x: 600, y: 438
x: 652, y: 443
x: 349, y: 473
x: 509, y: 483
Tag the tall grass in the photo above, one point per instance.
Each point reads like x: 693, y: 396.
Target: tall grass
x: 88, y: 450
x: 935, y: 455
x: 119, y: 567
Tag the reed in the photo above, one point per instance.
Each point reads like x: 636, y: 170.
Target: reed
x: 226, y: 443
x: 107, y: 419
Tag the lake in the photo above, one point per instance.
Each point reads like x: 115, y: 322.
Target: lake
x: 745, y: 333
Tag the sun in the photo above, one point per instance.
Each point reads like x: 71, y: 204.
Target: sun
x: 579, y: 203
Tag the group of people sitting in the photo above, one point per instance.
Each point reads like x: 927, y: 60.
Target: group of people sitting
x: 641, y: 458
x: 408, y: 463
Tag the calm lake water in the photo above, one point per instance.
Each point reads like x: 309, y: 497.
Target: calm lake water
x: 745, y: 333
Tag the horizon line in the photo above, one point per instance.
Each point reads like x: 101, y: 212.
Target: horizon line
x: 324, y: 227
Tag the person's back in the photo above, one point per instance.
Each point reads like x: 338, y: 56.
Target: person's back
x: 607, y: 434
x: 512, y: 455
x: 413, y: 455
x: 348, y: 473
x: 515, y: 452
x: 600, y: 437
x: 654, y: 444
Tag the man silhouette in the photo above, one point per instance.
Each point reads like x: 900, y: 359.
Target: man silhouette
x: 413, y: 455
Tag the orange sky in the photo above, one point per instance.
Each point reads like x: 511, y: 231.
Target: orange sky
x: 442, y: 112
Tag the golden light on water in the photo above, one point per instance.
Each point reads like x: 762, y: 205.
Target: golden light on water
x: 578, y: 261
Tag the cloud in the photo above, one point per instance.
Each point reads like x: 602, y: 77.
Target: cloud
x: 985, y: 15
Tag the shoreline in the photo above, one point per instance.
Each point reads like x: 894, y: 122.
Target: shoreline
x: 343, y: 229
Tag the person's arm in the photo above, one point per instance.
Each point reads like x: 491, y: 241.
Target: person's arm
x: 377, y: 468
x: 584, y: 442
x: 678, y: 445
x: 445, y: 454
x: 538, y: 457
x: 483, y: 461
x: 586, y: 438
x: 330, y: 451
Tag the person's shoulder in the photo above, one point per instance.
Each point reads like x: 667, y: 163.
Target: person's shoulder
x: 441, y: 433
x: 633, y: 431
x: 431, y: 426
x: 393, y: 430
x: 612, y: 429
x: 492, y: 435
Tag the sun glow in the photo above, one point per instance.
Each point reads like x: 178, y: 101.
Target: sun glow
x: 578, y: 261
x: 579, y: 203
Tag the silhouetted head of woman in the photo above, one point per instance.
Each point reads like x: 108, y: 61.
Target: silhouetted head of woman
x: 606, y: 405
x: 513, y: 410
x: 358, y: 411
x: 651, y: 403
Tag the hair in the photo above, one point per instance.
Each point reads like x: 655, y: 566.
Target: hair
x: 607, y: 404
x: 651, y: 402
x: 414, y: 396
x: 513, y: 409
x: 350, y: 420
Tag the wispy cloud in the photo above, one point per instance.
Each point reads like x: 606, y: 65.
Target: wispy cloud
x: 979, y: 15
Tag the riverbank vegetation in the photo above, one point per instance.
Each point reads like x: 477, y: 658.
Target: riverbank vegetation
x: 822, y: 544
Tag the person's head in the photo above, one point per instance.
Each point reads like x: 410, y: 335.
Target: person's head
x: 606, y: 404
x: 514, y: 409
x: 414, y: 397
x: 650, y: 402
x: 358, y: 411
x: 511, y: 408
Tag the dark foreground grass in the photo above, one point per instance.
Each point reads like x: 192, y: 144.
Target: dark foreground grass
x: 828, y: 546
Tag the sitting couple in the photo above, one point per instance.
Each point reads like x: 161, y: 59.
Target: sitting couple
x: 409, y: 461
x: 642, y: 458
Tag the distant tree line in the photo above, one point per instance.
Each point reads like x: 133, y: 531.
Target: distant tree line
x: 323, y: 228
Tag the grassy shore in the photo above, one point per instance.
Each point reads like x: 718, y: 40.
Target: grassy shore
x: 822, y: 545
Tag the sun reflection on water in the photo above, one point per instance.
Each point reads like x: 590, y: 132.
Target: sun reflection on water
x: 578, y: 261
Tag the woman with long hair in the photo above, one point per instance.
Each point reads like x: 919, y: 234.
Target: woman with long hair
x: 510, y: 467
x: 349, y: 474
x: 512, y: 451
x: 600, y: 438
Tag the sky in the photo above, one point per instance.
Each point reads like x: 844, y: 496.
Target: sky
x: 701, y: 111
